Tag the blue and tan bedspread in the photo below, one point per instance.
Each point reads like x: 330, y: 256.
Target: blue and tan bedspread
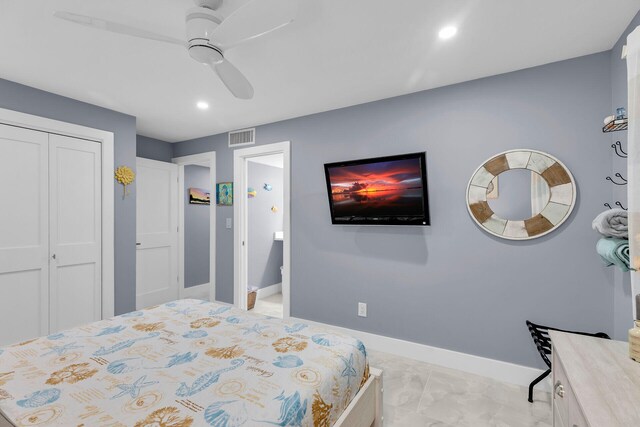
x: 185, y: 363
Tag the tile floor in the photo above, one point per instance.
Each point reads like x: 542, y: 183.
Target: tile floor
x: 419, y: 394
x: 269, y: 306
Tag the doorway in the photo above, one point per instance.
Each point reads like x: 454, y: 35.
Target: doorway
x: 262, y: 232
x: 197, y: 226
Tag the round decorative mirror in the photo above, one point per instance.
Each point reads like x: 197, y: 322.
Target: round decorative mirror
x: 521, y: 194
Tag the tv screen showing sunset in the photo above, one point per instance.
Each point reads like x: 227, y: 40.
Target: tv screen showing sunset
x: 377, y: 189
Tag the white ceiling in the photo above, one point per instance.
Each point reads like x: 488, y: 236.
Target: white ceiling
x: 275, y: 160
x: 337, y: 53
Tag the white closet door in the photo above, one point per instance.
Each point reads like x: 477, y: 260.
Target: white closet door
x: 75, y: 206
x: 24, y: 234
x: 157, y: 232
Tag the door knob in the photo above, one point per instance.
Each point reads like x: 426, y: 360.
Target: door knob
x: 53, y: 256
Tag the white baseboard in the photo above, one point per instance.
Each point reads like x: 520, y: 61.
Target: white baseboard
x: 196, y: 292
x: 496, y: 369
x: 269, y: 290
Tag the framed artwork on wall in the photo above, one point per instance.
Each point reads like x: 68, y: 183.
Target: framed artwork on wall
x: 199, y: 196
x: 224, y: 194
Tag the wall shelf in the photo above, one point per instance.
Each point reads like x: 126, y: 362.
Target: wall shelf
x: 616, y: 125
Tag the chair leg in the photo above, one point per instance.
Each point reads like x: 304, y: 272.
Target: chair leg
x: 536, y: 381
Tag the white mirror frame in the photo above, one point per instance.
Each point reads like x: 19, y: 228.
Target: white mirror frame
x: 561, y: 202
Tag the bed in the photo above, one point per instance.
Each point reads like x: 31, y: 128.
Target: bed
x: 190, y: 363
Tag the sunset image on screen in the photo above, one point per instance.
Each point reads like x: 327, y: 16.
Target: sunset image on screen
x: 390, y: 188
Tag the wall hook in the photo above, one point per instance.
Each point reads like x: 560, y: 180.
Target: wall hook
x: 618, y: 147
x: 608, y: 205
x: 620, y: 204
x: 624, y: 181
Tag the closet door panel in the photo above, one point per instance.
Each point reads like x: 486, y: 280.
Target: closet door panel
x: 74, y: 295
x: 75, y: 222
x: 21, y: 298
x: 24, y: 241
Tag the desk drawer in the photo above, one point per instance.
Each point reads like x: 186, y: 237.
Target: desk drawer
x: 576, y: 417
x: 561, y: 394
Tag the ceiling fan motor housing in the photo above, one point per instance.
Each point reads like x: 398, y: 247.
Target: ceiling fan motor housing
x: 201, y: 22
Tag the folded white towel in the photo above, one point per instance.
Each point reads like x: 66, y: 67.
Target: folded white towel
x: 612, y: 223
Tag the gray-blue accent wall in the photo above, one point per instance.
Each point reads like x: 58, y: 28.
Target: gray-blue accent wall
x: 450, y: 285
x: 154, y: 149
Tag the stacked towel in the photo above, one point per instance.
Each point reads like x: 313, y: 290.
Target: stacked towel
x: 612, y: 223
x: 614, y: 252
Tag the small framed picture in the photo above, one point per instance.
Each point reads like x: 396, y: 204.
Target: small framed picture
x: 224, y: 194
x: 199, y: 196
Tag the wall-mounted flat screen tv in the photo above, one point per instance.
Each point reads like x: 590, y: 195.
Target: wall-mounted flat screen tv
x: 382, y: 191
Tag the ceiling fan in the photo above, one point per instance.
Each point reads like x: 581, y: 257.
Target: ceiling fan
x: 210, y: 35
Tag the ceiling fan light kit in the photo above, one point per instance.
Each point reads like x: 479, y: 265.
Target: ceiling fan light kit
x: 209, y: 33
x: 201, y: 22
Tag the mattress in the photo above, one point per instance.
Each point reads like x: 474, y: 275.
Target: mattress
x: 184, y: 363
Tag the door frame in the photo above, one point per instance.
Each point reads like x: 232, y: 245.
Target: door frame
x: 208, y: 158
x: 42, y: 124
x: 240, y: 214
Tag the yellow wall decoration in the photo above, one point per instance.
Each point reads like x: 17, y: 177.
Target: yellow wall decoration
x: 125, y: 176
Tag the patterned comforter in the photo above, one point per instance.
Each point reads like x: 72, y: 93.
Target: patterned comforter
x: 185, y: 363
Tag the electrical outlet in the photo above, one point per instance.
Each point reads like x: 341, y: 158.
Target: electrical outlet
x: 228, y: 222
x: 362, y: 309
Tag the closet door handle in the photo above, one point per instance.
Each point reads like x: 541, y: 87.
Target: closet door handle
x: 53, y: 256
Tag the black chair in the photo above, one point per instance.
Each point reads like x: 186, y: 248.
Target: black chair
x: 540, y: 335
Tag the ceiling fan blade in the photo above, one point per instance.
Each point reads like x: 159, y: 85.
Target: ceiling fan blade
x: 253, y: 20
x: 115, y: 27
x: 233, y: 79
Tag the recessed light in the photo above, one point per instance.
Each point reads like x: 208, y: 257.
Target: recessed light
x: 447, y: 32
x: 202, y: 105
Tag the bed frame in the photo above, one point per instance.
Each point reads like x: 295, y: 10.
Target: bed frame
x: 365, y: 410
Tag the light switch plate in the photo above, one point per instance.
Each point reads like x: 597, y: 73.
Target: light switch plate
x: 362, y: 309
x: 228, y: 222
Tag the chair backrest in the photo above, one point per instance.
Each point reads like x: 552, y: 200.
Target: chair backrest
x: 541, y: 339
x: 540, y: 335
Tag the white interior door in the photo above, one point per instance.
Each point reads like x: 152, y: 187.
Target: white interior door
x: 157, y: 232
x: 75, y: 207
x: 24, y: 234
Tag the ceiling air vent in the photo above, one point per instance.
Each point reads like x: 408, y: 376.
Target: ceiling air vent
x: 242, y: 137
